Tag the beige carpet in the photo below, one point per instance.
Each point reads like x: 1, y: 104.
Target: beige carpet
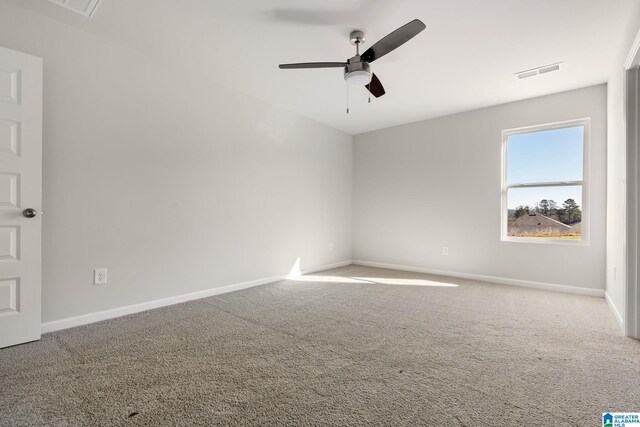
x: 351, y: 346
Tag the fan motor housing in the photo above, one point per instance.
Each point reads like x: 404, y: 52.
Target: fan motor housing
x: 355, y: 64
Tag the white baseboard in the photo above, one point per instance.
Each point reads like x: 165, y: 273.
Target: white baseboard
x: 614, y: 309
x: 499, y: 280
x: 85, y: 319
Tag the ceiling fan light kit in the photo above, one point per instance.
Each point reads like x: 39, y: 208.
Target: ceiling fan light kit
x: 357, y: 71
x: 358, y: 78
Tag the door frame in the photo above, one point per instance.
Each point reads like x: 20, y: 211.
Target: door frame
x: 632, y: 129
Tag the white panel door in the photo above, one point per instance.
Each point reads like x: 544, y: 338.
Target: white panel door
x: 20, y: 196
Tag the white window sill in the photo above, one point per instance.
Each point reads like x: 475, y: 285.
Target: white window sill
x: 543, y: 241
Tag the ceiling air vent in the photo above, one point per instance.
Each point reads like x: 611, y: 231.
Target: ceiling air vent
x: 83, y: 7
x: 539, y: 71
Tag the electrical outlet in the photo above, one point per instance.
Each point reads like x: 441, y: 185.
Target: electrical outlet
x: 331, y: 247
x: 100, y: 276
x: 445, y: 250
x: 615, y: 273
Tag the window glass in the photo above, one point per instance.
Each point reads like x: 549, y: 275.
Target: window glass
x: 544, y: 187
x: 546, y: 156
x: 545, y: 212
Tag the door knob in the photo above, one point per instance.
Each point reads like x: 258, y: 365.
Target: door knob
x: 29, y: 213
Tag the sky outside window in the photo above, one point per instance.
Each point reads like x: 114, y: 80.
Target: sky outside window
x: 545, y: 156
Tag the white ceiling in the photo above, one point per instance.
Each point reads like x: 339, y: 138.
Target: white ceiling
x: 465, y: 59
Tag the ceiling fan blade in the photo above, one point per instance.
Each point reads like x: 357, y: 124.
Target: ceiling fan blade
x: 375, y: 87
x: 313, y: 65
x: 394, y: 40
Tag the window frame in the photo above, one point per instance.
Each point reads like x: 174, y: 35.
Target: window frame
x: 504, y: 214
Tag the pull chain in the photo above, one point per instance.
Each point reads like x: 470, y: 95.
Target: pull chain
x: 347, y: 98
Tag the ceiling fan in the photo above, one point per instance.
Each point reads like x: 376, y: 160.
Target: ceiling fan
x: 357, y: 70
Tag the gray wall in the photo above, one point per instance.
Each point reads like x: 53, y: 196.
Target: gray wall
x: 436, y: 183
x: 171, y: 181
x: 616, y: 174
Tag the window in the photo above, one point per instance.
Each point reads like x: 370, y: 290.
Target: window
x: 544, y: 184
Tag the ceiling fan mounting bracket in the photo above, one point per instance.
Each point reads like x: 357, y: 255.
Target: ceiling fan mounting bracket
x: 357, y: 37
